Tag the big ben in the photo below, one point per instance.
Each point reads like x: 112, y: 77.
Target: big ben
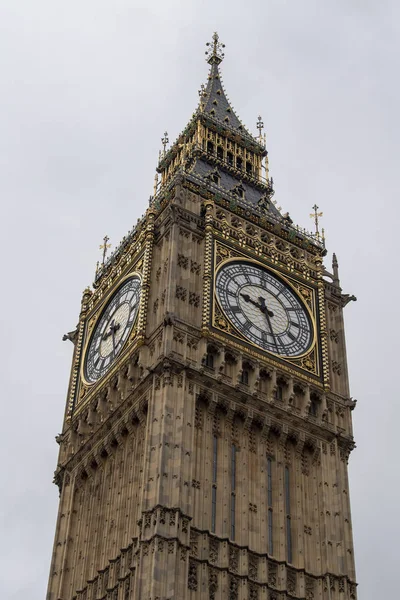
x: 208, y: 421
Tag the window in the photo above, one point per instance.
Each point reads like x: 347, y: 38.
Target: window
x: 239, y: 162
x: 313, y: 406
x: 249, y: 168
x: 288, y: 516
x: 215, y: 178
x: 210, y: 147
x: 229, y: 158
x: 244, y: 378
x: 220, y: 152
x: 210, y: 360
x: 233, y: 491
x: 279, y: 392
x: 214, y: 484
x: 270, y: 509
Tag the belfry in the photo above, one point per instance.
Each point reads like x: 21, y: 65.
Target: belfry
x: 208, y: 424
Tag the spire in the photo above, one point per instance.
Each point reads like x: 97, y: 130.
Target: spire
x: 335, y: 269
x: 213, y: 100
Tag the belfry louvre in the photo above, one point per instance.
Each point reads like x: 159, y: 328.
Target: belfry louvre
x: 208, y: 421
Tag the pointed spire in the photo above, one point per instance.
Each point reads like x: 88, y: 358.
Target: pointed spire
x: 213, y: 100
x: 335, y: 269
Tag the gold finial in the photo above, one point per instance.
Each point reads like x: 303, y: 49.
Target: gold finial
x: 165, y: 140
x: 155, y: 184
x: 203, y: 95
x: 316, y: 215
x: 260, y: 127
x: 105, y: 247
x: 214, y: 51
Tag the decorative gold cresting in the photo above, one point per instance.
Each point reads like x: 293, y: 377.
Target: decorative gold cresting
x: 214, y: 52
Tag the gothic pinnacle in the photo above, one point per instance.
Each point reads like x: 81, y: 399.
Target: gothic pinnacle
x: 335, y: 269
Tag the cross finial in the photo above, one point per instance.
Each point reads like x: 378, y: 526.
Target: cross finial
x: 105, y: 247
x: 214, y: 51
x: 260, y: 127
x: 316, y: 215
x: 165, y: 140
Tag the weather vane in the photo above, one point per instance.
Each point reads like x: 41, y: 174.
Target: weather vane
x: 260, y: 127
x: 214, y: 51
x: 105, y: 247
x: 316, y: 216
x: 165, y: 140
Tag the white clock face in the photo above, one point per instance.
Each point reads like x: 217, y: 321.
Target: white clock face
x: 112, y: 329
x: 264, y: 309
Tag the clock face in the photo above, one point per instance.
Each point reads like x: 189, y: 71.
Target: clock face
x: 112, y: 329
x: 264, y: 309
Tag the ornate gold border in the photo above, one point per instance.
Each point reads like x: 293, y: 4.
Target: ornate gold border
x: 233, y: 255
x: 93, y: 320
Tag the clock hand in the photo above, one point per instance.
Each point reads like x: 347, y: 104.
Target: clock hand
x: 247, y: 298
x: 268, y: 314
x: 113, y: 329
x: 113, y: 337
x: 264, y: 307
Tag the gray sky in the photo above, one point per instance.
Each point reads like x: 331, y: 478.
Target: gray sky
x: 87, y: 89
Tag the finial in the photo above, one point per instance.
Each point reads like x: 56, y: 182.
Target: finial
x: 105, y: 247
x: 165, y: 140
x: 97, y: 269
x: 316, y: 215
x: 335, y: 269
x: 155, y: 184
x: 260, y: 127
x: 214, y: 51
x: 203, y: 95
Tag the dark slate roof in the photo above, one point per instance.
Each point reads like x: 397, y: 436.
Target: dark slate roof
x: 216, y: 104
x: 228, y: 182
x: 216, y: 100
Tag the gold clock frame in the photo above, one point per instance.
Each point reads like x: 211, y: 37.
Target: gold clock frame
x: 93, y: 320
x: 309, y: 361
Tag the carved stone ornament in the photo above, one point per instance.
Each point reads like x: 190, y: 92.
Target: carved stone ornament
x: 192, y: 575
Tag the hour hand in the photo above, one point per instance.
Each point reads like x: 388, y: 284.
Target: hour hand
x: 247, y: 298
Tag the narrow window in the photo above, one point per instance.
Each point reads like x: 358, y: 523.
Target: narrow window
x: 210, y: 360
x: 249, y: 168
x: 239, y: 162
x: 279, y: 392
x: 220, y: 152
x: 270, y: 509
x: 314, y: 407
x: 233, y: 491
x: 214, y: 484
x: 210, y: 147
x: 288, y: 516
x: 229, y: 158
x: 245, y: 377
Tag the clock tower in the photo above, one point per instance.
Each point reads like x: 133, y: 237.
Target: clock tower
x: 208, y: 423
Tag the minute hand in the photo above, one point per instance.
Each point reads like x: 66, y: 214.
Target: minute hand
x: 269, y: 314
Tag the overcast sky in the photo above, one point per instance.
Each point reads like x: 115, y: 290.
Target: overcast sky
x: 87, y: 88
